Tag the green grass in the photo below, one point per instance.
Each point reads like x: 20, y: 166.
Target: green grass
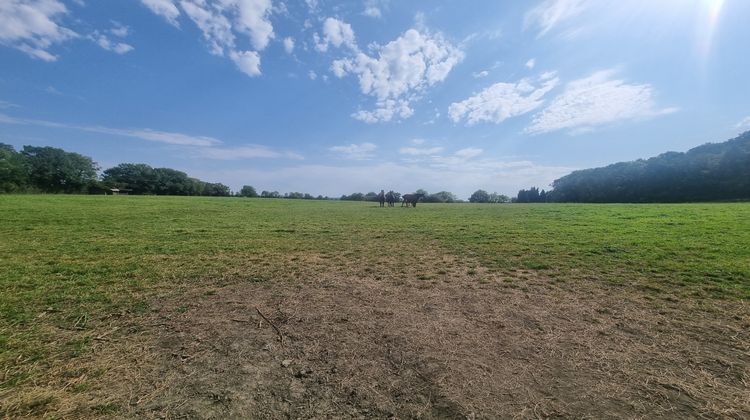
x: 84, y: 256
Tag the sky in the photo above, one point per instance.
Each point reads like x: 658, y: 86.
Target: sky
x: 335, y: 97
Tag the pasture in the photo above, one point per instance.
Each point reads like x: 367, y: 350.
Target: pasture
x: 230, y: 307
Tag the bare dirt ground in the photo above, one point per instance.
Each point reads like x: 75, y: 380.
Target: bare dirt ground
x: 462, y: 343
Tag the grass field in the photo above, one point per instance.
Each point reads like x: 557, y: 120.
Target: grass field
x: 151, y: 306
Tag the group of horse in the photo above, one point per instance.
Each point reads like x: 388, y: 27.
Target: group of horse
x: 406, y: 199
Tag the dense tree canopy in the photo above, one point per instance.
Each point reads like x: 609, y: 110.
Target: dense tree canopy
x: 714, y: 171
x: 54, y: 170
x: 13, y: 171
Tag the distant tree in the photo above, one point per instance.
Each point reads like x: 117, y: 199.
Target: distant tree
x: 499, y: 198
x: 13, y: 171
x: 216, y: 190
x: 138, y: 178
x: 55, y: 170
x: 248, y: 191
x: 532, y: 195
x: 171, y: 182
x: 479, y: 196
x: 270, y: 194
x: 354, y: 197
x: 440, y: 197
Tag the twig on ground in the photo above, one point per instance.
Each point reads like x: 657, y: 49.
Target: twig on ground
x: 281, y: 337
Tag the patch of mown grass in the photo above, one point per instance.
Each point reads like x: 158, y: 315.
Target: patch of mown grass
x: 63, y: 256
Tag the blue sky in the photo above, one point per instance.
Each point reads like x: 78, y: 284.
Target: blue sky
x: 336, y: 97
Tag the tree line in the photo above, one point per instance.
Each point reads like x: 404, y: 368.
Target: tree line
x: 711, y: 172
x: 53, y: 170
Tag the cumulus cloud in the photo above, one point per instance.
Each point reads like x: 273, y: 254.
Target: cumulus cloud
x: 597, y: 100
x: 501, y: 101
x: 336, y: 33
x: 551, y: 13
x: 289, y: 45
x: 164, y: 8
x: 221, y: 22
x: 32, y: 26
x: 247, y: 61
x: 531, y: 63
x: 385, y: 111
x: 399, y: 72
x: 356, y: 151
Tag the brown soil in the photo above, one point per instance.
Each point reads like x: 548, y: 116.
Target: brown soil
x: 461, y: 344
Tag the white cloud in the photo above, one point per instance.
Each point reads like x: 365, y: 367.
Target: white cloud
x: 399, y: 72
x: 32, y: 26
x: 531, y: 63
x: 594, y: 101
x: 247, y: 61
x: 481, y: 74
x: 289, y: 45
x: 385, y: 111
x: 336, y: 33
x: 418, y: 151
x: 312, y: 75
x: 221, y: 22
x: 104, y: 42
x: 372, y: 11
x: 119, y: 30
x: 744, y: 124
x: 551, y: 13
x: 164, y: 8
x: 503, y: 100
x: 355, y: 151
x: 418, y: 141
x: 373, y: 8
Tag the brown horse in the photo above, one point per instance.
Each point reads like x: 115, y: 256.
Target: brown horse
x: 411, y: 199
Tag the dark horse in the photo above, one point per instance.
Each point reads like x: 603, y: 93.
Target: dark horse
x: 390, y: 198
x: 381, y: 198
x: 411, y: 199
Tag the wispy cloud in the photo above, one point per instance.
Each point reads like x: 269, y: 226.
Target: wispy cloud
x: 744, y: 124
x: 197, y: 146
x: 552, y: 13
x: 251, y: 151
x: 597, y: 100
x: 360, y: 151
x: 501, y: 101
x: 417, y: 151
x: 142, y: 134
